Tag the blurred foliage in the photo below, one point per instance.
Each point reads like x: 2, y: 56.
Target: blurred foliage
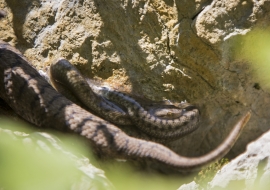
x: 33, y: 160
x: 209, y: 172
x: 124, y: 177
x: 255, y: 48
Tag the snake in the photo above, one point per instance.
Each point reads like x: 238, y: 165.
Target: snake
x: 65, y: 77
x: 35, y: 100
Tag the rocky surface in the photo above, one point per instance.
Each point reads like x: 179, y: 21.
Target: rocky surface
x: 176, y: 50
x: 250, y: 170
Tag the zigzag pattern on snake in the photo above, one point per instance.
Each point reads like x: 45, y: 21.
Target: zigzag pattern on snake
x: 34, y: 99
x: 66, y: 77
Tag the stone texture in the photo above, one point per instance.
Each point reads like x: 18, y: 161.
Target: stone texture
x: 250, y: 170
x: 176, y: 50
x: 190, y: 186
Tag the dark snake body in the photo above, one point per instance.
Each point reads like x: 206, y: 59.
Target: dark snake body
x: 65, y: 76
x: 156, y: 126
x: 69, y: 82
x: 34, y: 99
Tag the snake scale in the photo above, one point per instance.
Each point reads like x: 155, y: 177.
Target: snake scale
x: 65, y: 77
x: 34, y: 99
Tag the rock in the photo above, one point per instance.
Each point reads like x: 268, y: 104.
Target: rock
x: 190, y: 186
x: 176, y: 50
x: 250, y: 170
x: 6, y: 25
